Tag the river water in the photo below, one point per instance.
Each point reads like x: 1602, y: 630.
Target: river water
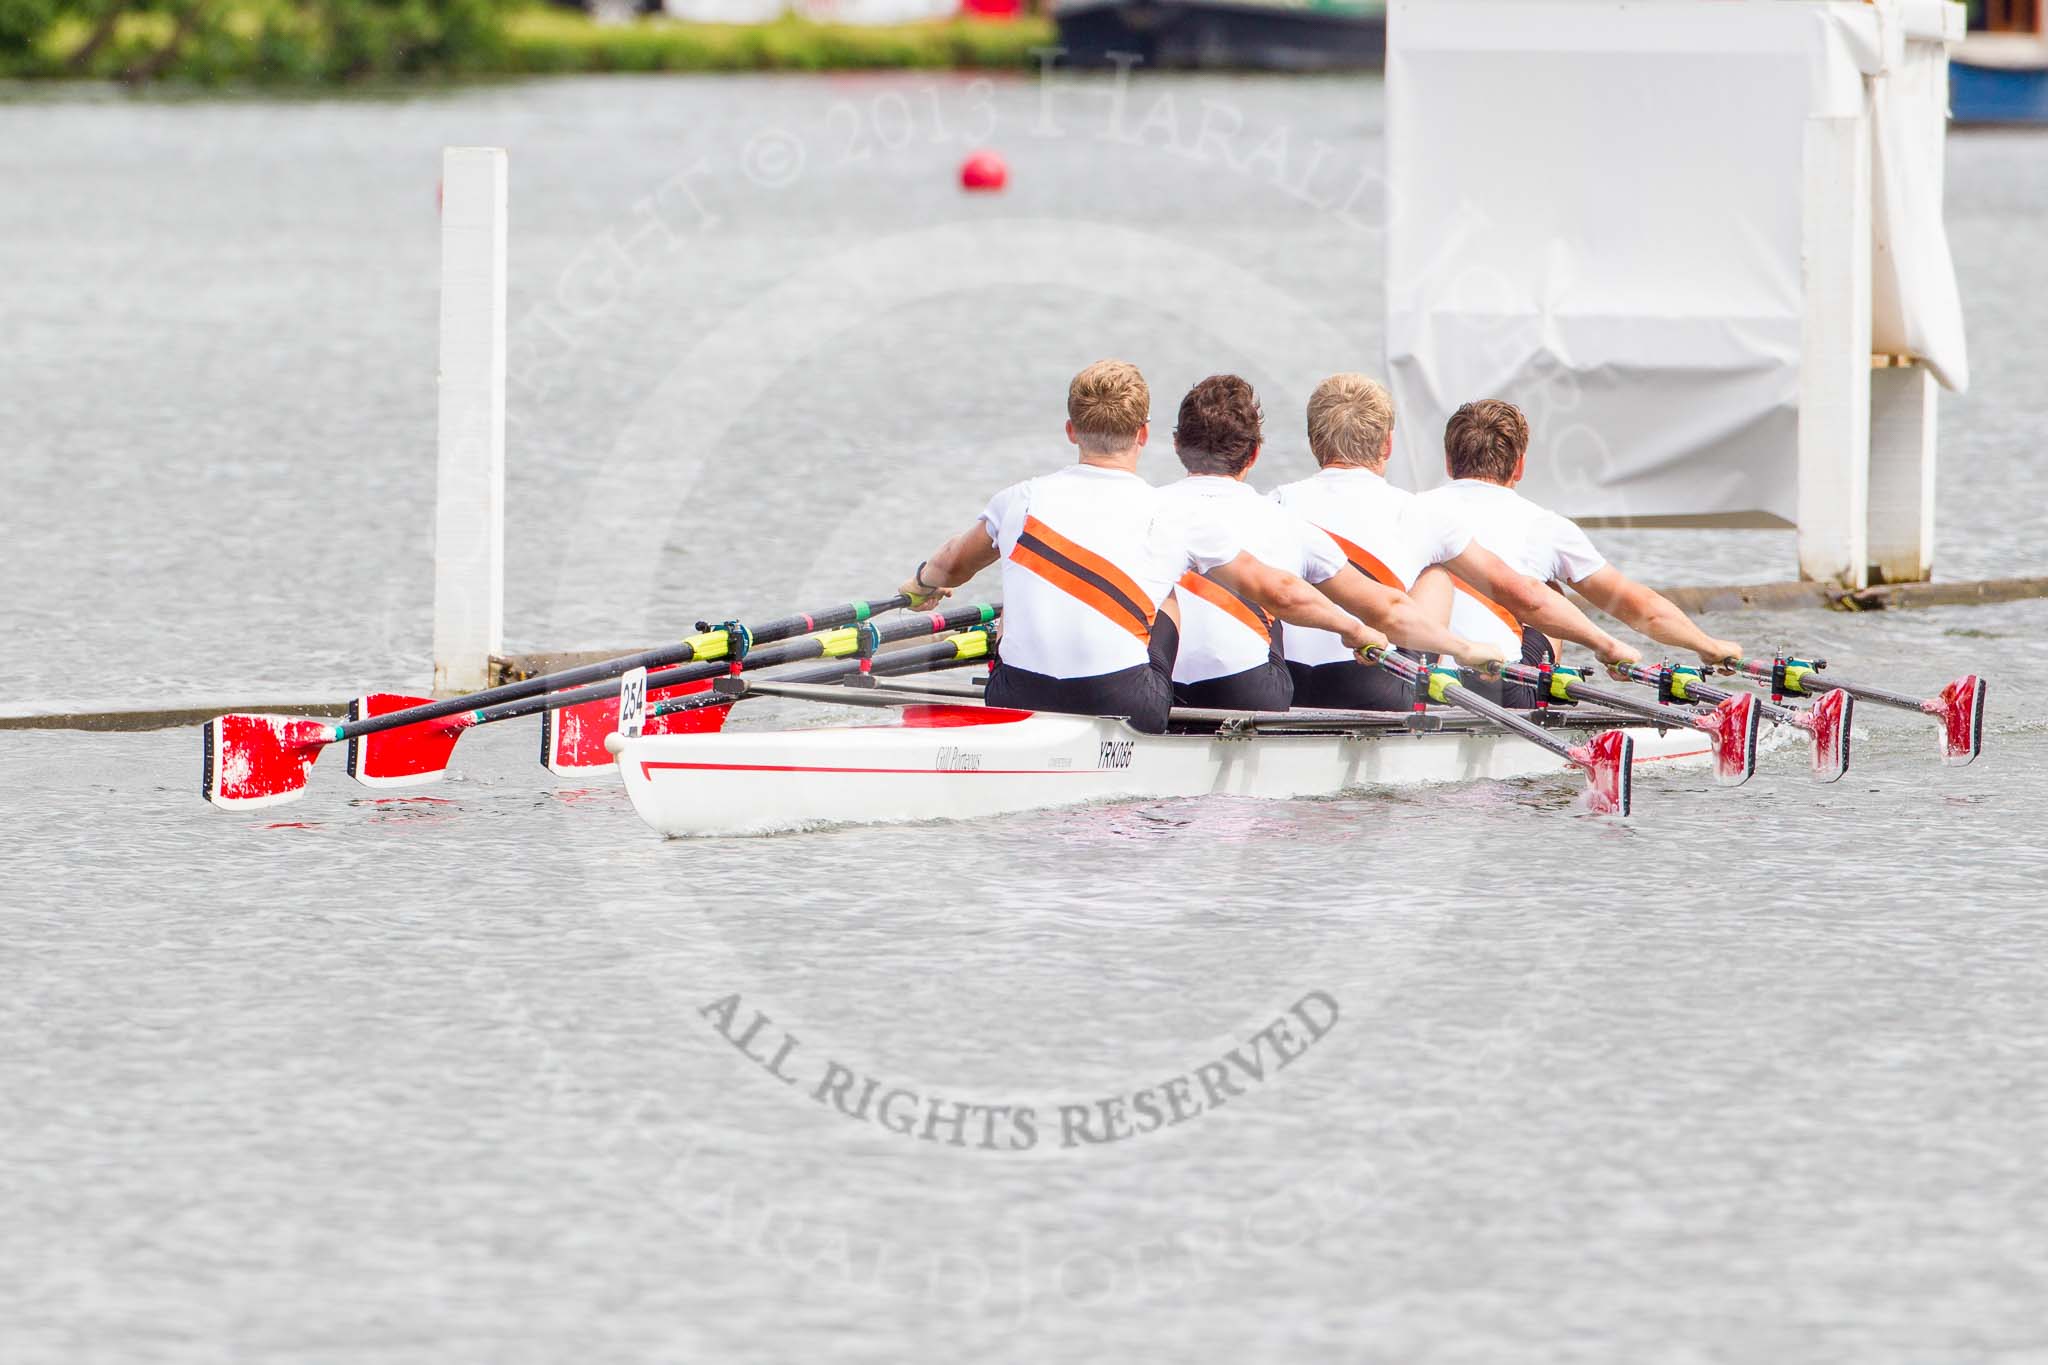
x: 1758, y: 1076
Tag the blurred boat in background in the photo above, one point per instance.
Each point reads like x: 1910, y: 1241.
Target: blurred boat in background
x: 1236, y: 35
x: 1999, y: 73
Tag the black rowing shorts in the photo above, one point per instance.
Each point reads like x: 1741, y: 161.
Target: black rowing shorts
x: 1269, y: 687
x: 1142, y: 694
x: 1349, y: 685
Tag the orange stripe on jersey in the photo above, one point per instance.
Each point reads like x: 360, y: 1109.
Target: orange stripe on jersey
x: 1366, y: 562
x: 1506, y: 617
x: 1120, y: 613
x: 1086, y: 559
x: 1216, y: 595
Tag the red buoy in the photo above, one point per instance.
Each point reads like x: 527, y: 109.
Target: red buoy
x: 983, y: 170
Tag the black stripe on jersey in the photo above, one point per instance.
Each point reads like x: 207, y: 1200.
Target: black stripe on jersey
x: 1081, y: 571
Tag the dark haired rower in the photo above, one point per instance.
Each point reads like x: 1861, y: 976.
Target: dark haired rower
x: 1230, y: 653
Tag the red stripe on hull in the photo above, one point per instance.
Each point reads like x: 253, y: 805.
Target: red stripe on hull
x: 649, y: 767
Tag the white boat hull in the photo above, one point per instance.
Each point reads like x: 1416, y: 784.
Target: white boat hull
x: 946, y: 763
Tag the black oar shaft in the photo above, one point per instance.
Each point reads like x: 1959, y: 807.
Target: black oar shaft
x: 937, y: 655
x: 1508, y: 720
x: 1810, y: 682
x: 680, y: 652
x: 787, y: 652
x: 1455, y: 694
x: 1578, y: 689
x: 1695, y: 690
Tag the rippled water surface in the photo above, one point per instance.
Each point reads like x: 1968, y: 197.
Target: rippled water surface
x: 1757, y: 1076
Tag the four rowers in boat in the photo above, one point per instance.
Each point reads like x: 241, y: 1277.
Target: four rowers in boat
x: 1122, y: 599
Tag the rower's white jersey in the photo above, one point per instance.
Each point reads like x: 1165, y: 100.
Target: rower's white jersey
x: 1087, y: 560
x: 1384, y: 531
x: 1531, y: 539
x: 1220, y: 633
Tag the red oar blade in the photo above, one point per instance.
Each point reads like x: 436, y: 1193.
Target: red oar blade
x: 1960, y: 708
x: 1830, y: 719
x: 404, y: 757
x: 572, y: 737
x: 1609, y: 762
x: 253, y: 761
x: 698, y: 720
x: 1731, y: 728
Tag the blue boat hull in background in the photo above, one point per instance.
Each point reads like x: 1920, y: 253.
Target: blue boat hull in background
x: 1982, y: 94
x: 1999, y: 79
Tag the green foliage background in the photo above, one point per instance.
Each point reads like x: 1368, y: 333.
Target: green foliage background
x: 302, y: 42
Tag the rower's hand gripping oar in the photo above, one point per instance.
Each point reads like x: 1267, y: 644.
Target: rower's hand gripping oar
x: 574, y: 724
x: 1826, y: 724
x: 251, y: 760
x: 1730, y: 726
x: 1607, y: 759
x: 1958, y: 709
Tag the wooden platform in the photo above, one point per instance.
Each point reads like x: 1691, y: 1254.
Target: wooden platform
x: 167, y: 718
x: 1886, y: 597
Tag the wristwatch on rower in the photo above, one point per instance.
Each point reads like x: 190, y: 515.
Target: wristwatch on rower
x: 930, y: 590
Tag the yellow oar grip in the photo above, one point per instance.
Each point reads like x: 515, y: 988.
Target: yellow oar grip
x: 838, y: 644
x: 712, y: 644
x: 972, y: 645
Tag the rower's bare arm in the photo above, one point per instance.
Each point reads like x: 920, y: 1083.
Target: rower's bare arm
x: 1652, y: 613
x: 954, y: 563
x: 1434, y: 591
x: 1294, y: 601
x: 1404, y: 620
x: 1537, y: 604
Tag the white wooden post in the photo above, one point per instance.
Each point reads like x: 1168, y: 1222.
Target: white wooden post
x: 1902, y: 449
x: 469, y: 507
x: 1834, y: 373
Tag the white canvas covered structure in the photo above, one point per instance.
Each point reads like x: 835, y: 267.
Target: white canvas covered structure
x: 1677, y: 232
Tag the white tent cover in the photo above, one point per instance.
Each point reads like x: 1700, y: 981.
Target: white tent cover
x: 1595, y: 210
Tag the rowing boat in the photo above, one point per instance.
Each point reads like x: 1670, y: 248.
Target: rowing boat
x: 948, y: 755
x: 945, y: 761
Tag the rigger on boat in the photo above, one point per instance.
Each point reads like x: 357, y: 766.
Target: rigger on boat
x: 1155, y: 643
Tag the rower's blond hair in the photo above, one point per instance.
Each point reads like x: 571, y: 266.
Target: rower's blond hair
x: 1107, y: 403
x: 1349, y: 417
